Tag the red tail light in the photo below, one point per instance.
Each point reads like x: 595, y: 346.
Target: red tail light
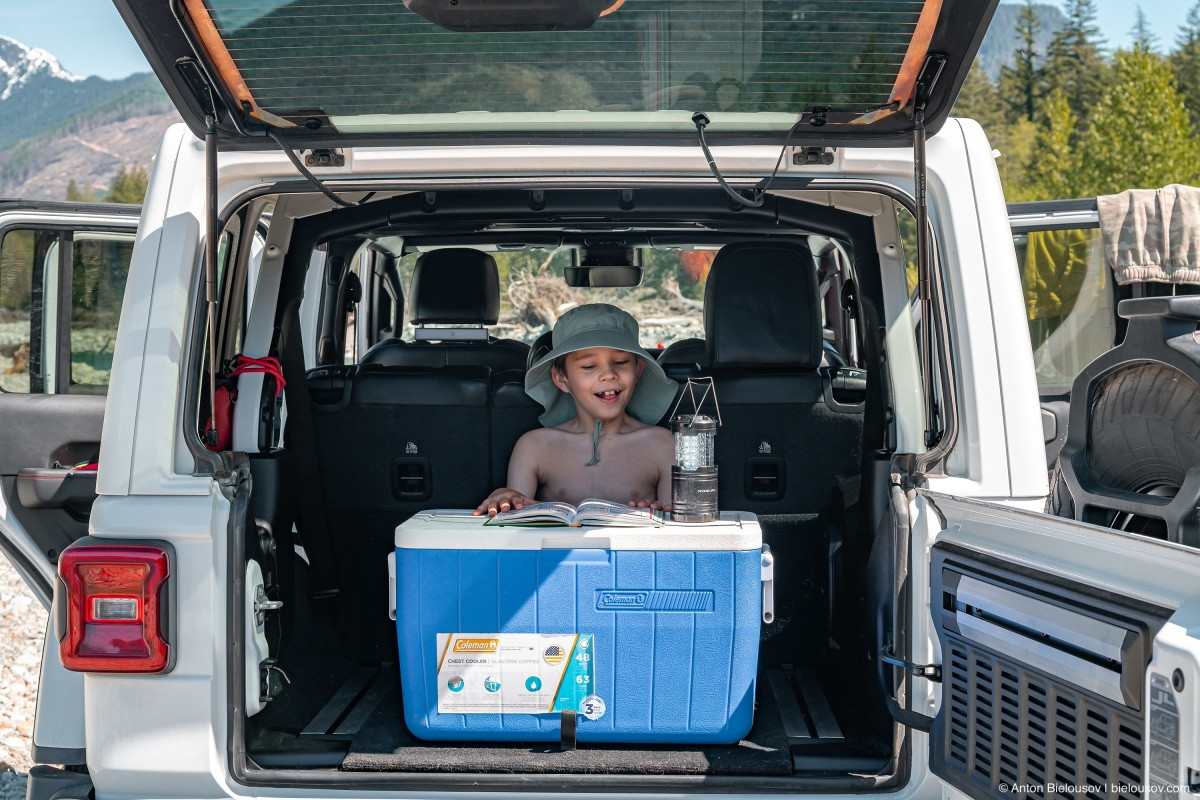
x: 115, y: 608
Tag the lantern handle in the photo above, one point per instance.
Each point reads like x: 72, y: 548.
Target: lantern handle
x: 711, y: 387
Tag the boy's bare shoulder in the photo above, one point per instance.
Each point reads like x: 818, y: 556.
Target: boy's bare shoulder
x: 535, y: 437
x: 653, y: 440
x: 655, y: 433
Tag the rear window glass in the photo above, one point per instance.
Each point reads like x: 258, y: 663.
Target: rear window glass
x: 101, y: 267
x: 1069, y: 301
x: 668, y: 303
x: 365, y: 64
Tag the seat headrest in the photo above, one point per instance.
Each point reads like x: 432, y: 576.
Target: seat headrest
x: 760, y: 306
x: 457, y: 285
x: 541, y: 345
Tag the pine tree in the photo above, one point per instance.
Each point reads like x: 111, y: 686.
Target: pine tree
x: 1019, y: 84
x: 87, y: 194
x: 129, y: 186
x: 1186, y: 63
x: 1139, y: 135
x: 1143, y: 37
x: 1018, y: 159
x: 978, y: 100
x: 1075, y: 59
x: 1056, y: 168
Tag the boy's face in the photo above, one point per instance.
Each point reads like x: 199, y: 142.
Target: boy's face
x: 600, y: 379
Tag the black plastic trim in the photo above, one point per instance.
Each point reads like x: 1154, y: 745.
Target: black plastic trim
x: 70, y: 756
x: 51, y: 783
x: 1082, y: 204
x: 1160, y: 330
x: 70, y: 207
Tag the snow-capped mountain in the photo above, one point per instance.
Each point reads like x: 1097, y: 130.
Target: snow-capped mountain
x: 37, y: 94
x: 20, y: 64
x: 56, y: 127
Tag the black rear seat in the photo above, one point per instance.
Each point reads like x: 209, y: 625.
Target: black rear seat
x: 455, y: 286
x: 409, y: 428
x: 782, y: 448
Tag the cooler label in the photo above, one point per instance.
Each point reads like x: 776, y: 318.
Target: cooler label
x: 514, y: 673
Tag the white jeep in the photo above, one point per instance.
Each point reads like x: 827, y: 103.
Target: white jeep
x: 765, y: 184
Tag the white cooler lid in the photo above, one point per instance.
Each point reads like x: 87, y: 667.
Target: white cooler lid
x: 456, y: 529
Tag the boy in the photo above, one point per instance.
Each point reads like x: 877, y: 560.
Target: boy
x: 603, y: 398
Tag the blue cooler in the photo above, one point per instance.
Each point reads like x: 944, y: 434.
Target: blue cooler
x: 647, y: 634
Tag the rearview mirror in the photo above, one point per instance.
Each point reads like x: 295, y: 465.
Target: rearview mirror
x: 605, y: 266
x: 597, y: 277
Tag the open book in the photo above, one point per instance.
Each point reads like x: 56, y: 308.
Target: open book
x: 590, y: 512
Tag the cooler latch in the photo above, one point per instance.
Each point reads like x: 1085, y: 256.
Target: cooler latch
x: 391, y: 559
x: 566, y: 731
x: 768, y: 585
x: 931, y: 671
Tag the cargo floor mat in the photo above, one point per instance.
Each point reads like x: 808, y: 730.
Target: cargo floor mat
x: 383, y: 743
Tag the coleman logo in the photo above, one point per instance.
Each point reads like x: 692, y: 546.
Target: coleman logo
x: 476, y: 645
x: 621, y: 600
x: 693, y: 600
x: 410, y: 448
x: 764, y: 448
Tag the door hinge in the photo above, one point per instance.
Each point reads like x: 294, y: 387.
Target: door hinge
x: 931, y: 671
x: 232, y: 472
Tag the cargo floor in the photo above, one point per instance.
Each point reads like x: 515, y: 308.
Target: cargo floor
x: 792, y: 720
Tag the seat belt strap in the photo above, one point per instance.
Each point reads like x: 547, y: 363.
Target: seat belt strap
x: 300, y: 439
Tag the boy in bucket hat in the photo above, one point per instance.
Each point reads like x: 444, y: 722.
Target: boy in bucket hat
x: 603, y: 399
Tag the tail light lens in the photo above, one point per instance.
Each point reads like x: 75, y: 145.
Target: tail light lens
x: 115, y: 615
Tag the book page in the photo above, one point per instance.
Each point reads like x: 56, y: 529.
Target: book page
x: 605, y: 512
x: 594, y: 505
x: 549, y: 511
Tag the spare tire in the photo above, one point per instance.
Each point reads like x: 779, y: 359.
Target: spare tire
x: 1143, y: 436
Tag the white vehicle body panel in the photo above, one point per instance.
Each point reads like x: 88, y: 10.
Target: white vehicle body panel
x: 1119, y: 564
x: 142, y: 727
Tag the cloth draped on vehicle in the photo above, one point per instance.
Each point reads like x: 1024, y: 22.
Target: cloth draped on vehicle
x: 1152, y: 234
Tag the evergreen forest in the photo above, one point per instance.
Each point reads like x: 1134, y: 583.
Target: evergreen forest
x: 1075, y: 120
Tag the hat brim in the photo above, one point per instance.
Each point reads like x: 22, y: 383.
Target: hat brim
x: 652, y: 395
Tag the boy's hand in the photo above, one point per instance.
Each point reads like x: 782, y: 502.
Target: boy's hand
x: 503, y: 500
x: 653, y: 505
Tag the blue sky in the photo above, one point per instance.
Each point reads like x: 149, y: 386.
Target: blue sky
x: 89, y: 38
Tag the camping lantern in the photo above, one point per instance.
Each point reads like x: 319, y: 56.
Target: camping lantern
x: 694, y: 473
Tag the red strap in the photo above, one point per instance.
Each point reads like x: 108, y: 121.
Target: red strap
x: 268, y: 365
x: 222, y: 415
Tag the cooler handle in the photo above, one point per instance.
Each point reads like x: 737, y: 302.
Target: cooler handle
x: 768, y: 585
x: 392, y: 585
x: 575, y: 543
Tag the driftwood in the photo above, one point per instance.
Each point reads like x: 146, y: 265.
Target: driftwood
x: 672, y: 287
x: 539, y: 297
x: 20, y: 357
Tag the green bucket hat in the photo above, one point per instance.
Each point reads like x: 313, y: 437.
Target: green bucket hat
x: 598, y: 325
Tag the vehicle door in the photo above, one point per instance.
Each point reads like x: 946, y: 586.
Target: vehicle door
x: 63, y: 268
x: 1070, y: 300
x: 1069, y: 654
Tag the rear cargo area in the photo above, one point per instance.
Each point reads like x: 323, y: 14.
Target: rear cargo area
x: 818, y: 712
x: 417, y: 418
